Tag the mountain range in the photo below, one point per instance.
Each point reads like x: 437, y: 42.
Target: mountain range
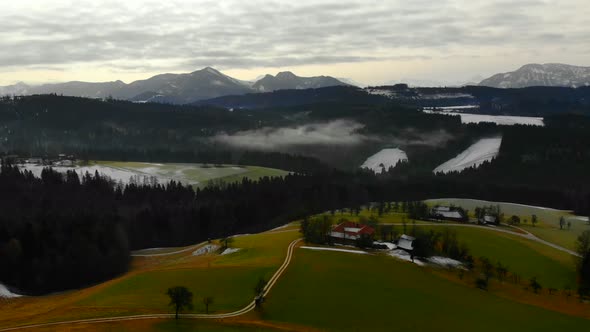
x: 549, y: 74
x: 209, y: 83
x: 176, y: 88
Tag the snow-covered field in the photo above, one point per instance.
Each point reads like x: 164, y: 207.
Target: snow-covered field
x: 116, y: 174
x: 5, y: 293
x: 384, y: 158
x: 503, y: 120
x: 483, y: 150
x: 148, y: 173
x: 335, y: 249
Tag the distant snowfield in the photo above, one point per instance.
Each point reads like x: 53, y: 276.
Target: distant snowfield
x: 5, y: 293
x: 483, y: 150
x: 384, y: 158
x: 502, y: 120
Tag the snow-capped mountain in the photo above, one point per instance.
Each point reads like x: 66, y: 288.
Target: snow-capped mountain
x: 287, y: 80
x: 549, y: 74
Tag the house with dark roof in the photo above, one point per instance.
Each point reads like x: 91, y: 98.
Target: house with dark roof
x: 349, y: 231
x: 447, y: 213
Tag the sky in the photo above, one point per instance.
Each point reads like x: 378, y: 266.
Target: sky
x: 373, y: 42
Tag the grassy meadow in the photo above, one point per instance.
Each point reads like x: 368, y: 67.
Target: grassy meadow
x: 229, y: 279
x: 348, y: 292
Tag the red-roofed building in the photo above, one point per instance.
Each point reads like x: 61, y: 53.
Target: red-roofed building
x: 350, y: 232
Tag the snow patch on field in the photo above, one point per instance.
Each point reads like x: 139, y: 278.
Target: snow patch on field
x: 405, y: 256
x: 389, y: 245
x: 444, y: 261
x: 485, y: 149
x: 385, y: 158
x: 5, y: 293
x: 229, y: 251
x: 205, y: 250
x: 335, y: 249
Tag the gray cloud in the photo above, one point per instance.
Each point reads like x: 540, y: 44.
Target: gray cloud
x: 244, y: 34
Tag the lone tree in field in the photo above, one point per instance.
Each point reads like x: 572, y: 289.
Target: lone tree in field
x: 180, y: 298
x: 561, y: 222
x: 207, y: 301
x: 583, y: 263
x: 501, y: 271
x: 534, y: 220
x: 535, y: 285
x: 259, y: 288
x: 486, y: 268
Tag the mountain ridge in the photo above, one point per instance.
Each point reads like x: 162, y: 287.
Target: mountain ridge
x: 181, y: 88
x: 534, y: 74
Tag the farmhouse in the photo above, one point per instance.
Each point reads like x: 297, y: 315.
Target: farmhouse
x: 351, y: 232
x: 406, y: 242
x: 447, y: 213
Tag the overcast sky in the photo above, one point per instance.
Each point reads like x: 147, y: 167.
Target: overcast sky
x: 368, y: 41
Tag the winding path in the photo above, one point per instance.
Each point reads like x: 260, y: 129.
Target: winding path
x: 242, y: 311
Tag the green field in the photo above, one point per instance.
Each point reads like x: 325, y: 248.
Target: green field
x: 547, y: 227
x: 528, y: 259
x: 347, y: 292
x: 197, y: 174
x: 324, y: 290
x: 146, y: 292
x: 229, y: 279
